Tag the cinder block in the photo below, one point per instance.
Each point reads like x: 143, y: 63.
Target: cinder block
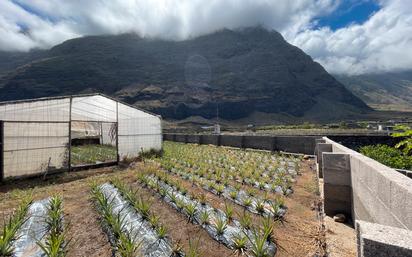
x: 359, y: 210
x: 336, y: 169
x: 401, y: 202
x: 376, y: 240
x: 321, y: 148
x: 337, y: 192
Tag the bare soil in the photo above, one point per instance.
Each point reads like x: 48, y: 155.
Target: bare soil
x: 298, y: 235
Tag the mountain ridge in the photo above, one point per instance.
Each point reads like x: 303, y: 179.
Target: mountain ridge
x: 240, y: 71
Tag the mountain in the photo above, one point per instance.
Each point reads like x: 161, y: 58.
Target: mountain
x: 249, y: 72
x: 383, y: 91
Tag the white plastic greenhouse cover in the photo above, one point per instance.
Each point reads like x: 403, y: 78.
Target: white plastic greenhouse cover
x: 36, y: 132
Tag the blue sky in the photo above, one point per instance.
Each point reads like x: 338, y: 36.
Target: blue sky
x: 348, y: 12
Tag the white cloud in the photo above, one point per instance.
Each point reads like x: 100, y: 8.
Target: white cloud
x: 382, y: 43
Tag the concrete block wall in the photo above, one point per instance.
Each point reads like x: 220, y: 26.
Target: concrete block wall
x: 380, y: 196
x: 337, y: 184
x: 292, y: 144
x: 376, y: 240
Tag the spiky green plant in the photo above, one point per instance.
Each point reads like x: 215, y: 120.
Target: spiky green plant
x: 172, y: 196
x: 239, y: 243
x: 180, y: 203
x: 204, y: 217
x: 193, y: 248
x: 161, y: 231
x: 154, y: 220
x: 220, y: 225
x: 233, y: 194
x: 12, y: 225
x: 247, y: 202
x: 56, y: 243
x: 228, y: 211
x: 191, y: 210
x: 202, y: 199
x: 127, y: 245
x: 219, y: 189
x: 267, y: 226
x: 245, y: 220
x: 258, y: 244
x: 260, y: 206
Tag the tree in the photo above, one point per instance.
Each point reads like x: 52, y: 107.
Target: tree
x: 405, y: 132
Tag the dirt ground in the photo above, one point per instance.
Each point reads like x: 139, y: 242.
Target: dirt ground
x: 298, y: 235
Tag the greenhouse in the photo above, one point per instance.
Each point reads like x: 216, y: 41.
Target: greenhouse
x: 47, y: 135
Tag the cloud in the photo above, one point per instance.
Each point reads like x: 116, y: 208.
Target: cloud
x: 382, y: 43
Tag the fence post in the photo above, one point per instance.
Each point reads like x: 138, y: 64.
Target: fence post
x: 1, y: 150
x: 117, y: 133
x: 70, y: 133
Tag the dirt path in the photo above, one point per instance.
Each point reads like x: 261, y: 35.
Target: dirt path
x: 86, y: 234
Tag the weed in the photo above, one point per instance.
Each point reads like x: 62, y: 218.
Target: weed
x: 193, y: 248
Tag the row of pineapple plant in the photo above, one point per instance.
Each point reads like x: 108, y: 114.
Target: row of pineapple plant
x: 55, y: 244
x: 248, y: 199
x: 12, y: 225
x: 261, y: 170
x: 239, y: 235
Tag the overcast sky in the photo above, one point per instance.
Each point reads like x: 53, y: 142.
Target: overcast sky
x: 345, y: 36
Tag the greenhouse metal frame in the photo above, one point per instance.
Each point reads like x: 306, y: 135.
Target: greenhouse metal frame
x: 36, y: 135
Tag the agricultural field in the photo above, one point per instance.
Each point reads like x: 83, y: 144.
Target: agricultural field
x: 93, y: 154
x: 194, y: 200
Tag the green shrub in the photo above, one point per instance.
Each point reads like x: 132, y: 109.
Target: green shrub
x: 387, y: 155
